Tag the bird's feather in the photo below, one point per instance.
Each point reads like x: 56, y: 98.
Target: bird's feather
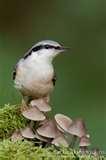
x: 54, y: 79
x: 14, y: 72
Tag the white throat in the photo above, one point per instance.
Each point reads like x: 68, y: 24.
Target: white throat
x: 40, y: 64
x: 43, y: 56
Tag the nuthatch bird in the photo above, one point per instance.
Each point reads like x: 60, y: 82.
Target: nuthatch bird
x: 34, y: 74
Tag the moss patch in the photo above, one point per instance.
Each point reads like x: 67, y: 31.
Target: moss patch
x: 27, y: 151
x: 10, y: 119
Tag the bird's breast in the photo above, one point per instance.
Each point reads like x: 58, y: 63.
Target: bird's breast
x: 35, y: 78
x: 39, y: 72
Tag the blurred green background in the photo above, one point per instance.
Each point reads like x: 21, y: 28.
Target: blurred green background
x: 80, y: 84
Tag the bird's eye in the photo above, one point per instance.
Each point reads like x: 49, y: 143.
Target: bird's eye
x: 48, y: 46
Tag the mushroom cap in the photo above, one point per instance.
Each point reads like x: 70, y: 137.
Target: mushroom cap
x: 59, y: 128
x: 60, y: 141
x: 27, y: 133
x: 48, y: 129
x: 77, y: 128
x: 44, y: 139
x: 63, y: 122
x: 41, y: 104
x: 34, y: 114
x: 16, y: 136
x: 84, y: 141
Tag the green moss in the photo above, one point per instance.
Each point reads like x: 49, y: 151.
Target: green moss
x: 27, y: 151
x: 11, y: 119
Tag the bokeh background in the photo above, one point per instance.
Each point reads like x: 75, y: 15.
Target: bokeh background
x: 79, y: 24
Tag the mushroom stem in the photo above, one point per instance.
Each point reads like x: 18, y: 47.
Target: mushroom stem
x: 24, y: 106
x: 32, y: 124
x: 48, y: 143
x: 73, y: 141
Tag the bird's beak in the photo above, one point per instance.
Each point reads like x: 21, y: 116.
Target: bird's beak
x: 62, y: 49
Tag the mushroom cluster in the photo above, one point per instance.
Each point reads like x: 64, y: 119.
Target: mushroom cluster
x: 61, y: 130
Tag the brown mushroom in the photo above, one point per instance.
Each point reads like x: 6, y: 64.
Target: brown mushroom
x: 60, y: 141
x: 63, y: 122
x: 77, y: 128
x: 27, y: 133
x: 84, y: 143
x: 16, y: 136
x: 34, y: 114
x: 48, y: 129
x: 41, y: 104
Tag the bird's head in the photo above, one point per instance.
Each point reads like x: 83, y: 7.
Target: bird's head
x: 47, y: 49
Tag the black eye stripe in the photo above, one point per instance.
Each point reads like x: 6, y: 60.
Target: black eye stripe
x: 27, y: 54
x: 37, y: 48
x: 57, y: 47
x: 48, y: 46
x: 34, y: 49
x: 45, y: 47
